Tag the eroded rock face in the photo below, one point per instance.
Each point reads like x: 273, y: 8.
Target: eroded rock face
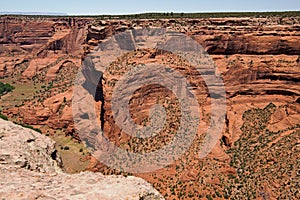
x: 49, y: 51
x: 45, y: 54
x: 28, y: 170
x: 220, y: 35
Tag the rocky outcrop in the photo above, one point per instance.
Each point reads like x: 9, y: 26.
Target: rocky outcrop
x: 29, y: 170
x: 23, y: 148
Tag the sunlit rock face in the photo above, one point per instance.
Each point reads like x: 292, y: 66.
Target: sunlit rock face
x: 29, y: 166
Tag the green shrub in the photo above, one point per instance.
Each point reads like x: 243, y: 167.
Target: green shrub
x: 5, y: 88
x: 209, y: 197
x: 3, y: 117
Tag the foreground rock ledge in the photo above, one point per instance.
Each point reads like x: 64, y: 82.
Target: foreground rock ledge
x: 29, y: 170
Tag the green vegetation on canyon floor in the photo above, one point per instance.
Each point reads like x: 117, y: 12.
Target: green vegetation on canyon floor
x: 5, y: 88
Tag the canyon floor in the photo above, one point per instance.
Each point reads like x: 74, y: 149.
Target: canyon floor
x: 257, y: 154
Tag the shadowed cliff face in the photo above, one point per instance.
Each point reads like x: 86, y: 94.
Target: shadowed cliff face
x: 257, y: 57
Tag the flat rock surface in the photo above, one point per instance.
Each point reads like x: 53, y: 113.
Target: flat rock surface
x: 28, y: 171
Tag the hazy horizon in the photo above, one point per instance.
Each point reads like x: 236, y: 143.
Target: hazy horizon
x: 66, y: 14
x: 116, y: 7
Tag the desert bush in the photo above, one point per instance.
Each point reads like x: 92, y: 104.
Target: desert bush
x: 5, y: 88
x: 3, y: 117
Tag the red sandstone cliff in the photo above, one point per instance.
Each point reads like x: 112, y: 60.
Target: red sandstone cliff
x: 257, y: 57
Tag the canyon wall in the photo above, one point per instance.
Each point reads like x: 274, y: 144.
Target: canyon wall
x: 258, y: 59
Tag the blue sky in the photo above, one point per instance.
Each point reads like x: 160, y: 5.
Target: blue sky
x: 139, y: 6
